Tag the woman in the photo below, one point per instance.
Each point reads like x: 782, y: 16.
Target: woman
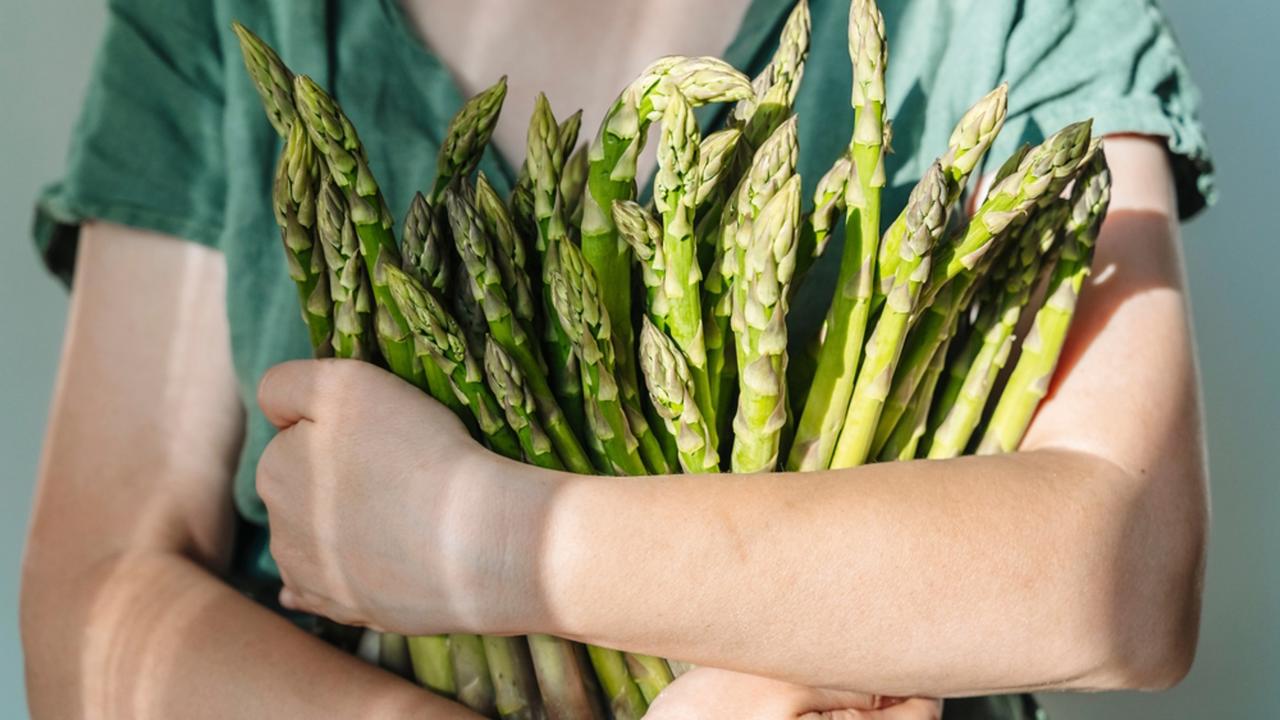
x: 1073, y: 565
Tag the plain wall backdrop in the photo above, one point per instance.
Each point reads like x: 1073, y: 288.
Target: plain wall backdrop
x: 46, y: 49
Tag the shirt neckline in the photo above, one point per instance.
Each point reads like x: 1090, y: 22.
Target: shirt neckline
x: 754, y: 31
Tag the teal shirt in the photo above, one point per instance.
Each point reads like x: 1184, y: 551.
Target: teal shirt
x: 172, y: 137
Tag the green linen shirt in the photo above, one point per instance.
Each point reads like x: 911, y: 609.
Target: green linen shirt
x: 172, y: 136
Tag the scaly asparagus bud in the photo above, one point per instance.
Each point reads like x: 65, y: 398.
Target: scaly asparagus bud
x: 467, y: 135
x: 425, y: 256
x: 715, y: 160
x: 518, y: 404
x: 759, y: 323
x: 271, y: 78
x: 785, y: 69
x: 348, y: 283
x: 643, y: 233
x: 508, y: 249
x: 671, y: 389
x: 294, y: 200
x: 1042, y: 175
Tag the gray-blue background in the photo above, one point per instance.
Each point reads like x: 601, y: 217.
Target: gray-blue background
x: 45, y: 52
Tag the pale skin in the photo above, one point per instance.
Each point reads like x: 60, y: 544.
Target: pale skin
x: 1073, y: 565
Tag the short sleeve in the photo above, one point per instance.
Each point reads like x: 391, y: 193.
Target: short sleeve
x: 147, y: 150
x: 1116, y: 61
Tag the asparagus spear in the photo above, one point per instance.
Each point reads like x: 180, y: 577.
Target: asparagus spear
x: 675, y: 193
x: 643, y: 233
x: 1041, y: 176
x: 613, y: 155
x: 471, y: 672
x: 466, y: 137
x: 846, y: 323
x: 759, y: 325
x: 432, y: 668
x: 544, y: 163
x: 439, y: 340
x: 969, y: 143
x: 925, y: 220
x: 511, y: 672
x: 828, y: 204
x: 509, y: 250
x: 718, y: 172
x: 576, y: 299
x: 296, y: 187
x: 573, y: 184
x: 776, y: 88
x: 348, y: 282
x: 564, y: 689
x: 336, y: 140
x: 484, y: 281
x: 1034, y: 370
x: 271, y: 78
x: 425, y: 256
x: 904, y: 442
x: 961, y: 406
x: 672, y: 390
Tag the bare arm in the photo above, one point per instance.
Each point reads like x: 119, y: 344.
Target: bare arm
x: 123, y: 612
x: 1075, y: 564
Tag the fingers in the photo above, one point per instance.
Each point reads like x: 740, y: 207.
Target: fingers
x: 287, y: 392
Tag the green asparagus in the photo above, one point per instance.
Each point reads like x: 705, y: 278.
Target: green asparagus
x: 467, y: 136
x: 925, y: 220
x: 297, y: 185
x: 1034, y: 370
x: 846, y: 324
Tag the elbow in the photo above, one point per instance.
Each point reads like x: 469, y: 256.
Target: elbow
x: 1151, y: 573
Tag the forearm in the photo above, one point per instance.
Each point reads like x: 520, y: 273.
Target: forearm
x: 1046, y: 569
x: 157, y: 636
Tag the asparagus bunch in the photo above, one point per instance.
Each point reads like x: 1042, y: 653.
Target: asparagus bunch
x: 517, y: 313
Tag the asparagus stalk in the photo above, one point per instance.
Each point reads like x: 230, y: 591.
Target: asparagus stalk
x: 925, y: 220
x: 544, y: 163
x: 612, y: 176
x: 671, y: 389
x: 484, y: 281
x: 509, y: 250
x: 339, y: 145
x: 960, y: 408
x: 511, y: 671
x: 776, y: 88
x: 440, y: 340
x: 348, y: 282
x: 759, y: 325
x: 564, y: 689
x: 432, y: 668
x: 296, y: 187
x: 969, y: 143
x: 576, y: 299
x: 1034, y: 370
x: 718, y: 173
x: 466, y: 137
x: 271, y: 78
x: 828, y: 205
x: 471, y: 672
x: 1041, y: 176
x: 675, y: 193
x: 904, y: 442
x: 846, y: 323
x: 426, y: 257
x: 643, y: 233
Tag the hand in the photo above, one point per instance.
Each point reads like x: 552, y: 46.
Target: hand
x: 384, y: 512
x: 712, y: 694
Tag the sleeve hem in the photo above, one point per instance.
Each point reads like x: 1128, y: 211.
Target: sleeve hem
x: 60, y: 214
